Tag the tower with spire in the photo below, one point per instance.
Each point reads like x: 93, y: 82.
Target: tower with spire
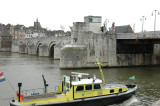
x: 37, y: 24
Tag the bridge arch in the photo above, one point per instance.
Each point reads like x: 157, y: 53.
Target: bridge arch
x: 51, y: 49
x: 37, y: 47
x: 20, y: 43
x: 28, y: 45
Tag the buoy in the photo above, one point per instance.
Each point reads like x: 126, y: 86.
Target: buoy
x: 21, y: 95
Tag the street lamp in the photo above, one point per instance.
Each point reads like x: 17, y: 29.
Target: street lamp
x: 142, y: 19
x: 154, y: 12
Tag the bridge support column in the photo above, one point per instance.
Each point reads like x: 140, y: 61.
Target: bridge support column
x: 31, y: 49
x: 23, y: 48
x: 43, y: 50
x: 73, y: 56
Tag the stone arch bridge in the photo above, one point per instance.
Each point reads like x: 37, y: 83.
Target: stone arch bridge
x: 45, y: 46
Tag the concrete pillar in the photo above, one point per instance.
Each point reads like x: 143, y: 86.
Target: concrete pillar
x: 112, y: 52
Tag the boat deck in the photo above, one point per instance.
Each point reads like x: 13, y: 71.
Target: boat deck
x: 108, y: 86
x: 41, y: 96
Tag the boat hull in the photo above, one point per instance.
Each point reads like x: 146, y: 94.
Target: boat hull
x: 94, y: 101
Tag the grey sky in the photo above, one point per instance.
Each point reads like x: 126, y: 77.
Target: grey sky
x: 54, y: 13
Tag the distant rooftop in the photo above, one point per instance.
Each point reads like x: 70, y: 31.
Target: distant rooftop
x: 5, y: 32
x: 123, y: 29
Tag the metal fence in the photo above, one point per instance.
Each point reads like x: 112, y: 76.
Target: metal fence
x: 146, y: 35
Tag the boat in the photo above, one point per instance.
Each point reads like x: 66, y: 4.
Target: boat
x: 76, y: 90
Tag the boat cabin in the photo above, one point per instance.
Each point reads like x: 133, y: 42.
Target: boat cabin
x: 82, y: 88
x: 88, y: 87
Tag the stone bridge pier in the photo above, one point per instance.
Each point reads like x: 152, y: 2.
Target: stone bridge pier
x: 47, y: 46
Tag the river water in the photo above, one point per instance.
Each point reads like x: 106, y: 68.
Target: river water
x: 28, y: 69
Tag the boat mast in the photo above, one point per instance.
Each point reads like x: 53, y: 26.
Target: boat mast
x: 100, y: 69
x: 45, y: 84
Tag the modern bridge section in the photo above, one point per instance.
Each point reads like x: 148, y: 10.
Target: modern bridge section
x: 47, y: 46
x: 146, y: 35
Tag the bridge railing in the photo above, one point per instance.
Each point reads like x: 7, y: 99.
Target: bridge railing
x: 127, y: 36
x: 150, y: 35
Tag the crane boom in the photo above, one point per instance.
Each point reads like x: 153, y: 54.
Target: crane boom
x: 100, y: 69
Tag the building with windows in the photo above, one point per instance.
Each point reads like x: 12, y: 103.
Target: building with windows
x: 17, y: 32
x: 35, y: 31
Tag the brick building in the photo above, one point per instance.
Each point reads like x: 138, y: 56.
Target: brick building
x: 17, y: 31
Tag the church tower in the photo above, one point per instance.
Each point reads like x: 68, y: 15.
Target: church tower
x: 37, y: 24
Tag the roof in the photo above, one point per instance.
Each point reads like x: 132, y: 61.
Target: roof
x: 123, y: 29
x: 8, y: 26
x: 18, y: 27
x: 93, y: 16
x: 5, y: 32
x: 81, y: 81
x: 86, y: 81
x: 32, y: 29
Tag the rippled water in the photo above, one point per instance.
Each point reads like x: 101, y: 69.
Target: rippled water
x: 28, y: 69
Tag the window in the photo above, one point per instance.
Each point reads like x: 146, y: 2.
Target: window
x: 112, y: 91
x: 120, y: 90
x: 80, y: 88
x: 67, y: 85
x: 75, y: 40
x: 97, y: 86
x: 88, y: 87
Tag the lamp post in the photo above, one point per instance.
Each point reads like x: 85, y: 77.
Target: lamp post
x: 154, y: 13
x: 142, y: 19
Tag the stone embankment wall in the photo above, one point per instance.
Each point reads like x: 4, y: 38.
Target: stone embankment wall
x: 5, y: 49
x: 86, y: 46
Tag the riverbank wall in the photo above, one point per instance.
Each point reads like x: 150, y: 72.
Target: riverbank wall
x: 113, y: 50
x: 5, y: 49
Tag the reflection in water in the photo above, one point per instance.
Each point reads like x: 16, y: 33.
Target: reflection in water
x: 28, y: 69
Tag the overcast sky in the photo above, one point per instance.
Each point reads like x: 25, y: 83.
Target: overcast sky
x: 54, y: 13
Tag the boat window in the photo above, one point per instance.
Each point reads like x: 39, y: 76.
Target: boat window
x: 112, y: 91
x: 97, y: 86
x: 88, y: 87
x: 67, y: 85
x: 120, y: 90
x: 80, y: 88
